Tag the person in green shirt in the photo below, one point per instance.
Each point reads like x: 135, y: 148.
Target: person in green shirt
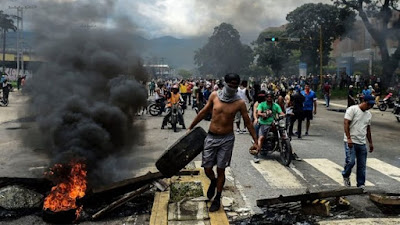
x: 267, y: 111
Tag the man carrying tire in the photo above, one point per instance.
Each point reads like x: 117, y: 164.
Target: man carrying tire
x: 218, y: 144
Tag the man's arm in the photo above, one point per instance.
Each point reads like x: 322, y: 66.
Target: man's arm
x: 347, y: 132
x: 255, y: 112
x: 315, y: 107
x: 248, y: 95
x: 248, y: 124
x: 203, y: 112
x: 369, y: 137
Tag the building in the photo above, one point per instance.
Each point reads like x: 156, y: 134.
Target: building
x: 159, y: 70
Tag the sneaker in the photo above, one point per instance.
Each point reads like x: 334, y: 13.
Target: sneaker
x: 306, y: 134
x: 362, y: 187
x: 215, y: 205
x: 162, y: 127
x: 238, y: 131
x: 244, y: 131
x: 256, y: 159
x: 346, y: 181
x: 296, y: 157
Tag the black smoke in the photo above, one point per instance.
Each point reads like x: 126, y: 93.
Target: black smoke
x: 90, y: 86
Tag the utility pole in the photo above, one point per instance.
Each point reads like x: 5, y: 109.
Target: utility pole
x: 4, y: 51
x: 20, y: 38
x: 320, y: 54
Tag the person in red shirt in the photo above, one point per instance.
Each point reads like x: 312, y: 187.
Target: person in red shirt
x: 327, y: 93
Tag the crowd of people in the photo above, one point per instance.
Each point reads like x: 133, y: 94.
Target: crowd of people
x: 228, y: 102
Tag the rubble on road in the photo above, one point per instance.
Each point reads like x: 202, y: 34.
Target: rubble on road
x: 17, y: 197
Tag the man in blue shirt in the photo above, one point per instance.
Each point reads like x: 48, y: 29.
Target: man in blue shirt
x: 310, y: 106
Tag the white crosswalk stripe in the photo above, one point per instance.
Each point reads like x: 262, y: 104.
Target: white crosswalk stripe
x: 277, y: 175
x: 385, y: 168
x: 281, y: 177
x: 333, y: 171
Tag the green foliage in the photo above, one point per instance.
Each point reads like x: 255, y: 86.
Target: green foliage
x: 223, y: 53
x: 6, y: 22
x: 305, y: 23
x: 271, y: 54
x: 335, y: 94
x: 186, y: 74
x: 382, y: 24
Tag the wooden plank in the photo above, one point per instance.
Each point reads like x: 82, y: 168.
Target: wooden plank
x: 128, y: 183
x: 121, y: 201
x: 385, y: 199
x: 310, y: 196
x: 159, y: 212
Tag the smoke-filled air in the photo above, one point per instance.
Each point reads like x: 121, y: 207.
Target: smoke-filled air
x: 84, y: 97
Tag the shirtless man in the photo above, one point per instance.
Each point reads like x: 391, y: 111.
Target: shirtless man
x: 218, y: 144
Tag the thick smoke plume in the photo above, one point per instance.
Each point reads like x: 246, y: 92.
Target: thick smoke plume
x: 86, y: 93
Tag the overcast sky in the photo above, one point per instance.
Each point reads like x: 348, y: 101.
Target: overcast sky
x: 182, y: 18
x: 191, y: 18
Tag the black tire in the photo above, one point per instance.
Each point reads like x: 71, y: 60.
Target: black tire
x: 173, y: 123
x: 182, y: 152
x: 154, y: 109
x: 286, y: 152
x: 382, y: 107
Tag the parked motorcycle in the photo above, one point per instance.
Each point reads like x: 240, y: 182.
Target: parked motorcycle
x: 278, y: 140
x: 396, y: 110
x: 388, y: 101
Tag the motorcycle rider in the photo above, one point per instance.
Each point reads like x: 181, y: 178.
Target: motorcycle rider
x: 267, y: 112
x: 160, y: 97
x: 175, y: 98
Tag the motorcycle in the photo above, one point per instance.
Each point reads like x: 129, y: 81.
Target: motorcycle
x: 278, y: 140
x: 396, y: 110
x: 175, y: 110
x: 386, y: 102
x: 154, y: 108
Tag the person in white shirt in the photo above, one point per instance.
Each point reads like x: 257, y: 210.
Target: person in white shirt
x: 244, y: 94
x: 357, y: 128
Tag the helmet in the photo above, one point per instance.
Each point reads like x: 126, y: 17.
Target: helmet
x: 270, y: 93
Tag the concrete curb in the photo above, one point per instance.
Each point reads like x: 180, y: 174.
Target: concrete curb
x: 159, y: 212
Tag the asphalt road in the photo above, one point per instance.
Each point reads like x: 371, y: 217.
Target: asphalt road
x: 322, y: 152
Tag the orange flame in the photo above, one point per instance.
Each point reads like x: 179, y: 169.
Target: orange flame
x: 63, y: 196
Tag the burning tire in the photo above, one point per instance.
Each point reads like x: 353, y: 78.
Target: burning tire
x: 181, y: 152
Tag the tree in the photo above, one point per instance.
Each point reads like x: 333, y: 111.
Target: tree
x: 185, y: 74
x: 6, y: 24
x: 306, y: 21
x: 223, y: 53
x: 377, y: 18
x: 271, y: 54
